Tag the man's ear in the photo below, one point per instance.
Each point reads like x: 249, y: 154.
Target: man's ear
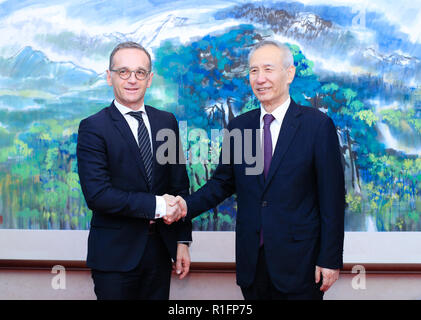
x: 291, y: 73
x: 109, y: 78
x: 150, y: 80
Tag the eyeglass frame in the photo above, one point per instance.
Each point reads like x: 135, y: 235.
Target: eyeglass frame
x: 148, y: 72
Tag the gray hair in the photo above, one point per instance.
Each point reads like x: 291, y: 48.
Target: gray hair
x: 287, y: 57
x: 129, y: 45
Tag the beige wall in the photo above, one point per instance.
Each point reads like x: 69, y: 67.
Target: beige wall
x: 35, y: 284
x: 392, y: 260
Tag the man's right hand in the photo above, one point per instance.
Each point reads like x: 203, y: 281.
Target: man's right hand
x: 182, y: 204
x: 174, y: 211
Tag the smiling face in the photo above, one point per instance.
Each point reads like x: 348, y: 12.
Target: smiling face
x: 269, y: 78
x: 130, y: 92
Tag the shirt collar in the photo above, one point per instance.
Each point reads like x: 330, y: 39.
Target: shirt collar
x: 279, y: 111
x: 124, y: 110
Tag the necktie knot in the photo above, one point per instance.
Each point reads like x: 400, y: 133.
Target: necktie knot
x: 136, y: 114
x: 267, y: 119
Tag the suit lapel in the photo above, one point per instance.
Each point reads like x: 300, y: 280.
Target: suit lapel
x: 256, y: 147
x: 290, y: 125
x: 122, y: 126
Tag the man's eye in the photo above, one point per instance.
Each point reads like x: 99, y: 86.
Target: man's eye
x: 123, y: 71
x: 141, y: 73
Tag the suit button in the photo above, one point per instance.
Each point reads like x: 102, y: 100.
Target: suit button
x: 264, y: 204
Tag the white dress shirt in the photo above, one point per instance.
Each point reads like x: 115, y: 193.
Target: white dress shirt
x: 275, y: 126
x: 161, y: 207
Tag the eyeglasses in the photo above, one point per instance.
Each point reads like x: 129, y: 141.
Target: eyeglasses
x: 125, y: 74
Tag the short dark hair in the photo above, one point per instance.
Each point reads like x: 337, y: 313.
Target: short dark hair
x: 129, y: 45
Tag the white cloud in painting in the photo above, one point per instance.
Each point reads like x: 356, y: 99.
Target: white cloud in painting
x: 405, y: 14
x: 334, y: 64
x: 44, y: 27
x: 30, y: 26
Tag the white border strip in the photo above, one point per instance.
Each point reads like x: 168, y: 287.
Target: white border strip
x: 71, y: 245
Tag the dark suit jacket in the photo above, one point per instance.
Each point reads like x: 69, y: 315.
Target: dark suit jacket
x: 114, y: 184
x: 300, y: 206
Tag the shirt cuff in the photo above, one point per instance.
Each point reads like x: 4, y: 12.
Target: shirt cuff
x: 188, y: 243
x: 161, y: 207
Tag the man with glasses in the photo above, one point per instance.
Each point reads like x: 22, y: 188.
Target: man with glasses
x: 129, y: 246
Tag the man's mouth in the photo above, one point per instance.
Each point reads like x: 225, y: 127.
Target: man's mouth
x: 262, y: 90
x: 131, y: 89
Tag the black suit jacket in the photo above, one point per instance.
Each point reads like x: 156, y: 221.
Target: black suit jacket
x: 300, y: 205
x: 113, y: 181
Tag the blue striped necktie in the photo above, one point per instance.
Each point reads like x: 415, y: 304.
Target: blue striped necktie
x: 144, y: 145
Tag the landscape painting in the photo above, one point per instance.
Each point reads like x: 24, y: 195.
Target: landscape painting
x: 358, y: 62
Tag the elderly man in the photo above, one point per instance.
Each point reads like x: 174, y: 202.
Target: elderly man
x: 290, y: 219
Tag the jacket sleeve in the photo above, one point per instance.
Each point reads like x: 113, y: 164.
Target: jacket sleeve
x: 95, y: 179
x: 331, y: 196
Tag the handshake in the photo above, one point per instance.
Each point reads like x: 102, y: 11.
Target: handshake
x: 176, y: 208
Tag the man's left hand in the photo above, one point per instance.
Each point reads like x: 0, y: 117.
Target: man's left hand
x: 329, y: 277
x: 182, y: 265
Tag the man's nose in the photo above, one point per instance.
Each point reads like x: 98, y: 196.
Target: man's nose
x: 132, y: 77
x: 261, y: 77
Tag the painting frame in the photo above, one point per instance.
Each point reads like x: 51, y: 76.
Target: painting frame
x: 212, y: 249
x: 389, y: 249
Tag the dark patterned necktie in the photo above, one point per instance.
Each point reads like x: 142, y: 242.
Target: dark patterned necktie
x: 144, y: 145
x: 267, y: 151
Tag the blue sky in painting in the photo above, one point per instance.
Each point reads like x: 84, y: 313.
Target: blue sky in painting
x: 102, y: 11
x: 83, y: 32
x: 404, y: 13
x: 396, y: 25
x: 77, y: 36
